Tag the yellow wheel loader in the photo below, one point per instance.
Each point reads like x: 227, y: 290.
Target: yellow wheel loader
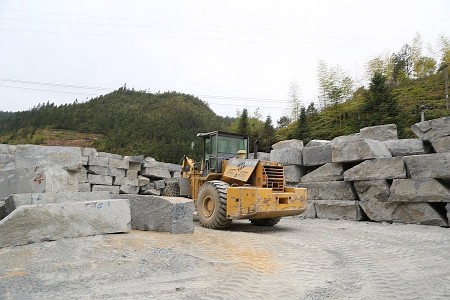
x: 227, y: 185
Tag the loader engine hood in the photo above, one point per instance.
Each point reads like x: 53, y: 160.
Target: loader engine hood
x: 240, y: 169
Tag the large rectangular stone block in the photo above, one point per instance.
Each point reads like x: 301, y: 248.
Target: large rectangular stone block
x: 380, y: 132
x: 338, y: 209
x: 98, y: 161
x: 316, y: 155
x: 406, y: 147
x: 429, y: 165
x: 99, y: 170
x: 156, y: 172
x: 35, y: 223
x: 327, y: 172
x: 48, y: 156
x: 37, y: 180
x: 442, y: 144
x: 16, y: 200
x: 109, y: 155
x: 418, y: 190
x: 119, y: 163
x: 100, y: 179
x: 355, y: 148
x: 8, y: 149
x: 293, y: 173
x: 372, y: 190
x: 170, y: 214
x: 313, y: 143
x: 332, y: 190
x: 432, y: 129
x: 112, y: 189
x: 287, y: 144
x: 408, y: 213
x: 287, y: 156
x: 380, y: 168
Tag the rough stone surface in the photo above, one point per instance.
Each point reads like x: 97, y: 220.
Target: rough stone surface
x: 381, y: 168
x: 170, y: 214
x: 109, y: 155
x: 105, y: 188
x: 435, y: 165
x: 34, y: 223
x: 99, y: 170
x: 129, y: 189
x: 89, y: 151
x: 48, y: 156
x: 354, y: 148
x: 406, y: 147
x: 293, y: 173
x: 287, y: 144
x: 155, y: 169
x: 316, y: 155
x: 432, y: 129
x: 448, y: 211
x: 327, y: 172
x: 332, y: 190
x: 100, y: 179
x: 84, y: 187
x: 16, y: 200
x: 119, y: 163
x: 313, y: 143
x: 37, y: 180
x: 310, y: 211
x: 2, y: 209
x: 98, y: 161
x: 372, y: 190
x: 287, y: 156
x: 338, y: 209
x: 380, y: 132
x: 441, y: 145
x: 408, y: 213
x: 419, y: 190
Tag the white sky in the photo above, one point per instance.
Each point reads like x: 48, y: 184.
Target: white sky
x: 232, y: 54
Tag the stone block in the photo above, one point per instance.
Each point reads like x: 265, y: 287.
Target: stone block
x: 100, y: 179
x: 98, y: 161
x: 169, y: 214
x: 293, y: 173
x: 7, y: 158
x: 85, y: 160
x: 287, y: 156
x: 3, y: 213
x: 137, y: 159
x: 8, y: 149
x: 135, y: 166
x: 82, y: 175
x: 338, y: 210
x: 159, y: 184
x: 442, y: 144
x: 16, y: 200
x: 119, y: 163
x: 316, y: 155
x: 313, y: 143
x: 448, y: 211
x: 354, y: 148
x: 287, y: 144
x: 327, y: 172
x: 35, y: 223
x: 432, y: 129
x: 408, y: 213
x: 418, y: 190
x: 147, y: 190
x: 89, y: 151
x: 435, y: 165
x: 37, y: 180
x: 175, y: 174
x: 117, y: 172
x: 128, y: 189
x: 260, y: 155
x: 112, y: 189
x: 310, y: 211
x: 28, y: 156
x: 372, y: 190
x: 380, y: 168
x: 380, y: 132
x: 84, y: 187
x: 109, y: 155
x: 156, y: 172
x: 406, y: 147
x: 132, y: 173
x: 99, y: 170
x: 142, y: 180
x: 331, y: 190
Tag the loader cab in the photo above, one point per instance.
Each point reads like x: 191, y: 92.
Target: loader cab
x: 219, y: 146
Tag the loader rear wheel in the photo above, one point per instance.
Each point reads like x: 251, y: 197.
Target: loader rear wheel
x: 212, y: 205
x: 265, y: 222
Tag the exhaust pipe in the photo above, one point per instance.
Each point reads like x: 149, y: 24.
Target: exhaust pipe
x: 255, y: 149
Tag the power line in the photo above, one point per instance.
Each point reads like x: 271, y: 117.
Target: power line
x: 56, y: 84
x: 44, y: 90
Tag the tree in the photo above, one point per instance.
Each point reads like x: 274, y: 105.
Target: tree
x: 294, y: 101
x: 311, y: 110
x: 380, y: 106
x: 243, y: 127
x: 283, y: 122
x: 302, y: 125
x: 335, y: 86
x: 268, y: 137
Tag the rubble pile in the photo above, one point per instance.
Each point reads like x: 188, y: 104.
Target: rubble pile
x: 373, y: 175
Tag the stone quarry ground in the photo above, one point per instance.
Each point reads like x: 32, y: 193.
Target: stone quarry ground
x: 297, y: 259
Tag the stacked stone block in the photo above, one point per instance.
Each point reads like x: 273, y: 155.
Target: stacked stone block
x: 289, y: 153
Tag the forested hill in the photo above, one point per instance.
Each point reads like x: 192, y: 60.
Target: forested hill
x: 125, y: 121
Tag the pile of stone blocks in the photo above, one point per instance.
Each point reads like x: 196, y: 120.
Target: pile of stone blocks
x: 373, y: 175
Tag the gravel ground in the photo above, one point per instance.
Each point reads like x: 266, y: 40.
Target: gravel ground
x: 297, y: 259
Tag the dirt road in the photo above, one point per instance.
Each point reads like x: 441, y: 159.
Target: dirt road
x: 298, y: 259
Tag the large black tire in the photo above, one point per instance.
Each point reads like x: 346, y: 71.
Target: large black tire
x: 172, y: 189
x: 266, y: 222
x: 212, y: 205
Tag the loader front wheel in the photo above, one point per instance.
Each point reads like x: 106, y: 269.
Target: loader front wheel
x: 212, y: 205
x: 265, y: 222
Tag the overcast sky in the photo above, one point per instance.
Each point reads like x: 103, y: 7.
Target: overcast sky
x: 232, y: 54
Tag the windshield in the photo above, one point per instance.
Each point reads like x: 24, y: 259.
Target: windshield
x: 231, y: 145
